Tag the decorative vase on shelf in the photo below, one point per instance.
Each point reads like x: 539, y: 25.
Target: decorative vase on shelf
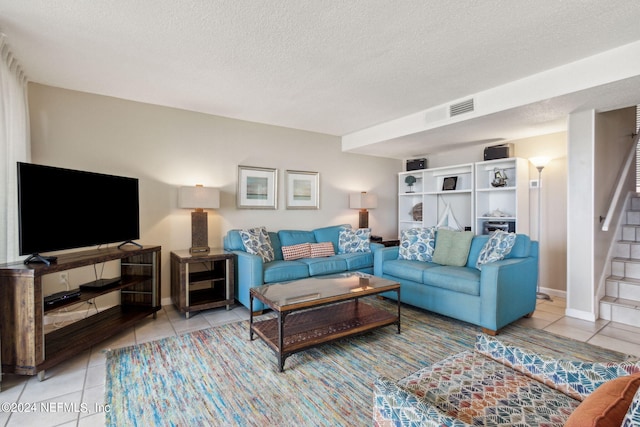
x: 410, y: 180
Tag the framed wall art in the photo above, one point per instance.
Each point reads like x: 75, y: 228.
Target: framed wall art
x: 449, y: 183
x: 303, y: 190
x: 257, y: 188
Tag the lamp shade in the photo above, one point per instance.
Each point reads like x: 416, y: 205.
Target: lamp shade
x: 539, y: 162
x: 363, y: 201
x: 199, y: 197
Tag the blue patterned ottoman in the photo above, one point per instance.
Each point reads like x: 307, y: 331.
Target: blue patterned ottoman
x: 495, y: 385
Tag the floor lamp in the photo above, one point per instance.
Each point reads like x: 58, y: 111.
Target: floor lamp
x: 540, y: 163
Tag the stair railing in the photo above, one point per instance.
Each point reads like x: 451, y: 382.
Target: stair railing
x: 617, y: 193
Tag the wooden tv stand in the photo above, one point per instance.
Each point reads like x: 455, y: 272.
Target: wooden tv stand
x: 27, y: 350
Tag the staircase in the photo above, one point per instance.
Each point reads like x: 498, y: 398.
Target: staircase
x: 621, y: 302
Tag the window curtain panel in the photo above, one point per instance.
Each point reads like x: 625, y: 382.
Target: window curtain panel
x: 14, y: 146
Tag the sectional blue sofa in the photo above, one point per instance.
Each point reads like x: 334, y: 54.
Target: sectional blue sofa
x: 252, y: 271
x: 498, y: 294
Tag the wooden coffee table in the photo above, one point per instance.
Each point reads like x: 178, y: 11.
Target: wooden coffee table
x: 318, y: 310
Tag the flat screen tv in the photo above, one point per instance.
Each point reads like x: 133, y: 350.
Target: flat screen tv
x: 67, y: 209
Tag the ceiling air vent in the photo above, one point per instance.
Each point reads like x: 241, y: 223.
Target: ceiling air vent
x: 461, y: 108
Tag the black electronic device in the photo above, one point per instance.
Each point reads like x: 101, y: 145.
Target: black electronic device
x: 416, y: 164
x: 67, y: 209
x: 100, y: 283
x: 60, y: 297
x: 495, y: 152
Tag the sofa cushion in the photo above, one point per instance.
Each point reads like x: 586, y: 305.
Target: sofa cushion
x: 276, y: 245
x: 480, y: 391
x: 521, y: 248
x: 293, y: 252
x: 330, y: 234
x: 295, y: 237
x: 407, y: 270
x: 285, y: 271
x: 458, y: 279
x: 322, y: 266
x: 576, y: 379
x: 357, y: 260
x: 322, y: 249
x: 350, y: 241
x: 233, y: 241
x: 633, y: 414
x: 452, y: 247
x: 256, y: 241
x: 417, y: 244
x: 496, y: 248
x: 607, y: 405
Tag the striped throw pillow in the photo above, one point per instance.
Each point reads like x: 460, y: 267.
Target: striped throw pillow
x: 301, y: 250
x: 323, y: 249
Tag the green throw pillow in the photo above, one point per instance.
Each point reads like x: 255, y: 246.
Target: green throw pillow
x: 452, y: 247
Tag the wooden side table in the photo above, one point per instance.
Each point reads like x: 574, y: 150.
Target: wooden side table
x: 202, y: 281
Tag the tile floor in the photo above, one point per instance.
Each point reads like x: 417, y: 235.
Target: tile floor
x: 73, y: 392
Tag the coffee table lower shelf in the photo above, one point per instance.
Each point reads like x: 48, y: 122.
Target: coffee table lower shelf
x: 305, y: 329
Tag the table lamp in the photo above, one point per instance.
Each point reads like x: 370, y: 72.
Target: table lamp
x: 363, y: 201
x: 199, y: 198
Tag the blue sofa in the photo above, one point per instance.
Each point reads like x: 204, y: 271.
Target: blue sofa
x: 251, y: 271
x: 498, y: 294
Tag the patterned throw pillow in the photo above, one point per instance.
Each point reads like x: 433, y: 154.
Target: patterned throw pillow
x: 632, y: 418
x: 257, y: 242
x: 417, y: 244
x: 302, y: 250
x: 350, y: 241
x: 322, y: 249
x: 497, y: 247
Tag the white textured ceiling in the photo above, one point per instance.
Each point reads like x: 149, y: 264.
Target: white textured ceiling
x: 335, y: 67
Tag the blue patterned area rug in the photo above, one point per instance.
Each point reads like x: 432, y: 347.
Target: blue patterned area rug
x: 218, y: 377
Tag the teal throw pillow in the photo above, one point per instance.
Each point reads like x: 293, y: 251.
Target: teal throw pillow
x: 257, y: 242
x: 417, y: 244
x: 497, y: 247
x: 350, y: 241
x: 452, y: 247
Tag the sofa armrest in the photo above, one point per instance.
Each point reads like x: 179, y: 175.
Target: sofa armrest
x: 382, y: 255
x: 393, y: 405
x: 249, y: 273
x: 508, y: 291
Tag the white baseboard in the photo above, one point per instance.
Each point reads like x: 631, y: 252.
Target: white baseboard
x: 579, y: 314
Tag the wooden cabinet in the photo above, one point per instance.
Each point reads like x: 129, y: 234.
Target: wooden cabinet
x: 202, y: 281
x: 28, y: 350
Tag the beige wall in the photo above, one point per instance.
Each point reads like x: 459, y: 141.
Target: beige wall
x: 167, y: 148
x: 553, y: 251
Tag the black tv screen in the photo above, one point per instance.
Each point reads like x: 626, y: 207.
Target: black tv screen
x: 67, y: 209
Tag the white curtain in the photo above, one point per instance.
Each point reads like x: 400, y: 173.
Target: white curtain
x: 14, y: 146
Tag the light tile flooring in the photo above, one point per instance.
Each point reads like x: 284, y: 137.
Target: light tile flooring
x: 73, y: 392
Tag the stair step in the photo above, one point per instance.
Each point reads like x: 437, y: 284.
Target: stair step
x: 625, y: 267
x: 633, y: 217
x: 631, y: 232
x: 620, y: 310
x: 623, y: 287
x: 627, y: 249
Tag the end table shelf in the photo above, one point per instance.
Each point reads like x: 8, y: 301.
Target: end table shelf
x: 202, y: 281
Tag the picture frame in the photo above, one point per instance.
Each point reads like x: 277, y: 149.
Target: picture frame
x: 303, y: 189
x: 449, y: 183
x: 257, y: 188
